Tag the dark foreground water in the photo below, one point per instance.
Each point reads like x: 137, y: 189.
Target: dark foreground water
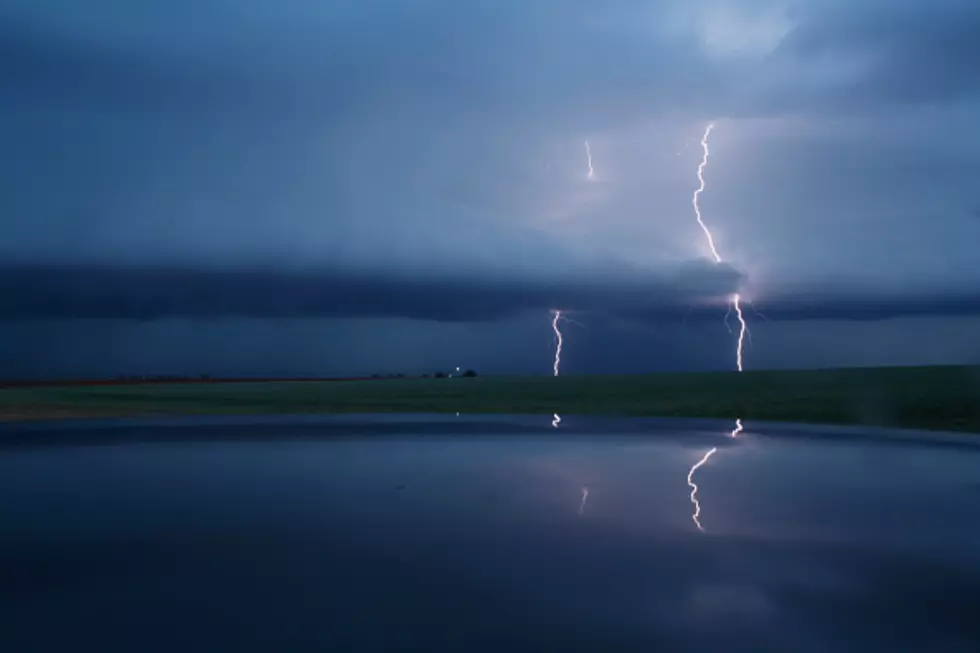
x: 390, y: 534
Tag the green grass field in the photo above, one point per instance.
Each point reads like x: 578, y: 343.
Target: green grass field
x: 942, y: 398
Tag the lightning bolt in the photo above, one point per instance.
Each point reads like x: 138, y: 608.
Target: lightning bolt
x: 742, y: 330
x: 700, y: 189
x: 694, y: 488
x: 585, y: 497
x: 736, y: 299
x: 588, y: 155
x: 554, y: 327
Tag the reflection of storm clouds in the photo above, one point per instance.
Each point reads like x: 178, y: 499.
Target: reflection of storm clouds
x: 789, y: 595
x: 470, y: 526
x: 712, y: 602
x: 752, y: 593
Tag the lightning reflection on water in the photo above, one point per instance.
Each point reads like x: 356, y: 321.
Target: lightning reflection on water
x: 696, y: 516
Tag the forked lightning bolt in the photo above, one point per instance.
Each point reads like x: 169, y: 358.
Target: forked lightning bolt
x: 588, y: 155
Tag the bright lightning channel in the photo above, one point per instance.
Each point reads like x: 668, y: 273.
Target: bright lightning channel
x: 588, y: 154
x: 554, y: 327
x: 742, y: 330
x: 585, y: 497
x: 736, y: 300
x: 700, y: 189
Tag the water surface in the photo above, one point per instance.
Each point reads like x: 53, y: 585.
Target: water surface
x: 393, y: 533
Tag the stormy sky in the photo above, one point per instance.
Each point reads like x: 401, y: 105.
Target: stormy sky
x: 252, y: 187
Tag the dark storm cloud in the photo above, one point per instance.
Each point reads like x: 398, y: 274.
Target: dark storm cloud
x: 164, y: 292
x: 873, y: 306
x: 903, y: 51
x: 822, y: 305
x: 694, y: 293
x: 508, y: 58
x: 163, y: 132
x: 566, y: 60
x: 38, y: 67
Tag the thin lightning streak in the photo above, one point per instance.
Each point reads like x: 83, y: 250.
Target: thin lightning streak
x: 743, y: 329
x: 748, y: 332
x: 686, y: 315
x: 585, y: 497
x: 575, y: 322
x: 554, y: 326
x: 588, y: 154
x: 756, y: 311
x: 701, y: 187
x: 694, y: 488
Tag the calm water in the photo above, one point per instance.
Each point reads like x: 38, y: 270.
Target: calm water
x: 469, y: 535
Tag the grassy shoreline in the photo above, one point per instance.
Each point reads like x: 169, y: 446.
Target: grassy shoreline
x: 935, y: 398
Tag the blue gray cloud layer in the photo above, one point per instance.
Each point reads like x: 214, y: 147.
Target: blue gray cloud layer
x: 429, y: 155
